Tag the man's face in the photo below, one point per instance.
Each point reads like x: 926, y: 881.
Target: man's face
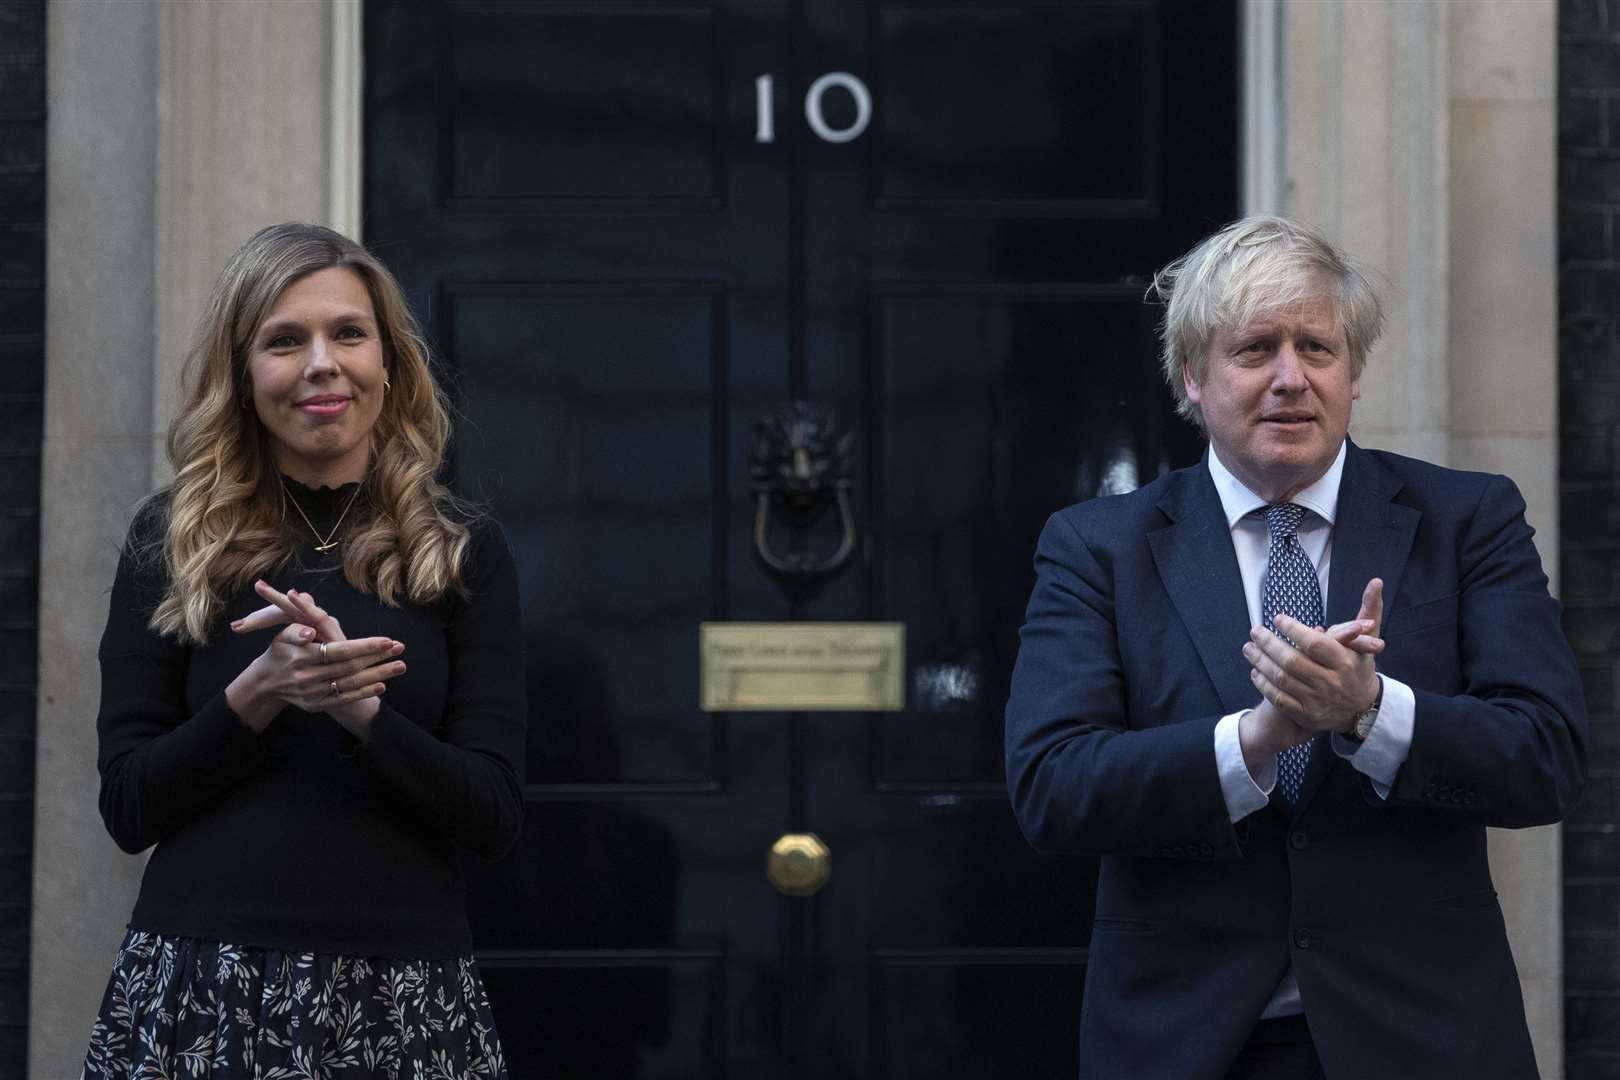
x: 1276, y: 398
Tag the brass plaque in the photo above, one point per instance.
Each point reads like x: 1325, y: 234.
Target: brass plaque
x: 780, y: 667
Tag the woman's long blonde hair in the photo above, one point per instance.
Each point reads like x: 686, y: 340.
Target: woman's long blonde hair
x: 226, y: 510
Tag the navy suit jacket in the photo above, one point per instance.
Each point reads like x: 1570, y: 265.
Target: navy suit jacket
x: 1130, y: 653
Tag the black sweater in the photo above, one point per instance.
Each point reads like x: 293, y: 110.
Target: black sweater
x: 300, y: 838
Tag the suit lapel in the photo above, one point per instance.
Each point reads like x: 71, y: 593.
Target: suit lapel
x: 1199, y: 568
x: 1372, y: 537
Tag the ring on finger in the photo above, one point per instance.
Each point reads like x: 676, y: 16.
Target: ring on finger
x: 323, y: 654
x: 335, y: 690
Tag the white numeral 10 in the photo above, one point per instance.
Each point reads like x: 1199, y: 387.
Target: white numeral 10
x: 764, y: 101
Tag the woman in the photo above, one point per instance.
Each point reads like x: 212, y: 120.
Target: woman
x: 307, y: 769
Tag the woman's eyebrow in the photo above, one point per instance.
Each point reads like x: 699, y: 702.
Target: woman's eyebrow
x: 352, y: 316
x: 281, y: 326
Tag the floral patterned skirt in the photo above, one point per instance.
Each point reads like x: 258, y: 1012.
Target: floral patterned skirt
x: 181, y: 1008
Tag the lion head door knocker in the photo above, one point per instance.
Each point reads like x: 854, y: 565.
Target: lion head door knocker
x: 800, y: 469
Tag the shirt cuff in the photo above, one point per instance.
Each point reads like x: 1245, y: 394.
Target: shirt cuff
x: 1389, y: 742
x: 1244, y: 794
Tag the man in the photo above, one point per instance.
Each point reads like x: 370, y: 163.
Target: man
x: 1282, y: 693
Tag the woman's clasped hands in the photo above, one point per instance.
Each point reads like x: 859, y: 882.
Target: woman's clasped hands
x: 311, y: 665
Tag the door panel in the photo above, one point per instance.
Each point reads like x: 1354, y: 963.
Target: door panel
x: 614, y: 402
x: 1017, y: 109
x: 619, y: 279
x: 550, y: 106
x: 614, y: 1015
x: 994, y: 405
x: 918, y: 988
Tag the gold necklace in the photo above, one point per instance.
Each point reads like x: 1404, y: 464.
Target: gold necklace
x: 329, y: 541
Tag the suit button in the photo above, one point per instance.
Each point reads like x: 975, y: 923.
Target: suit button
x: 1302, y: 937
x: 1205, y: 850
x: 1298, y: 840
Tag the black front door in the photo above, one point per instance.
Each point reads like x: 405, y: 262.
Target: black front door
x: 631, y: 229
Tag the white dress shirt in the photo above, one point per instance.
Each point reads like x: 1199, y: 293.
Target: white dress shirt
x: 1383, y: 753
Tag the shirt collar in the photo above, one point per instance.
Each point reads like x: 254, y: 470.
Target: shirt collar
x: 1321, y: 498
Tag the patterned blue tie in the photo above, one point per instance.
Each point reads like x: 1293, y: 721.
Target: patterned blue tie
x: 1291, y: 588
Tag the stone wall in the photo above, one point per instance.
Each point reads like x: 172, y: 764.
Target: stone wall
x: 161, y: 163
x: 1421, y: 136
x: 96, y: 455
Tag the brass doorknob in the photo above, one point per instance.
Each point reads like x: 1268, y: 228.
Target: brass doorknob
x: 799, y: 864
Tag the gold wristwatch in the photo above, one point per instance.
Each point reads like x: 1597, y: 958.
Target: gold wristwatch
x: 1364, y: 720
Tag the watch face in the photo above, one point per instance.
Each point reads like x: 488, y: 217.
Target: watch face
x: 1364, y: 723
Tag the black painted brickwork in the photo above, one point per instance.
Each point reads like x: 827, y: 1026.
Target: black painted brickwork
x: 22, y: 379
x: 1589, y: 514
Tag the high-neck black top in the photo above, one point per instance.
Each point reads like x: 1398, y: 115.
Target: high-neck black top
x: 316, y: 515
x: 299, y: 837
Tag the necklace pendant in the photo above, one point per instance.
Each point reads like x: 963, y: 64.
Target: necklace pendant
x: 330, y: 540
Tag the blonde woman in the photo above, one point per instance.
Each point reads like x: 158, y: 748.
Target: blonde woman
x: 312, y: 699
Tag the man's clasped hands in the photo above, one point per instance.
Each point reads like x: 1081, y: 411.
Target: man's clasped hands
x: 1319, y: 683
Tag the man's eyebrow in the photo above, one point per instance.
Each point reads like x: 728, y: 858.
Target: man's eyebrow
x: 1263, y: 327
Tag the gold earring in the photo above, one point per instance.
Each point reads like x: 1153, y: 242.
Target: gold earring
x: 387, y: 386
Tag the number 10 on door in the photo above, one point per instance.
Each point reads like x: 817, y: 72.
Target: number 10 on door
x: 765, y: 105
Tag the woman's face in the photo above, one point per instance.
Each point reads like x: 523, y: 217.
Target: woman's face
x: 316, y: 368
